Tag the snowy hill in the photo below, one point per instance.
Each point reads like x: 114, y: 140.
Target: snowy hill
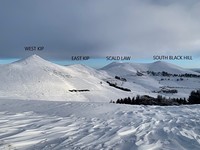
x: 148, y: 77
x: 42, y: 125
x: 196, y: 70
x: 158, y: 66
x: 36, y: 78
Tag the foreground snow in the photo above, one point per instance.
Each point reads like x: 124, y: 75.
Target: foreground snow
x: 42, y: 125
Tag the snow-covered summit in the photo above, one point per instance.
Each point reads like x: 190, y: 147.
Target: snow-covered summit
x: 160, y: 66
x: 34, y: 57
x: 33, y: 60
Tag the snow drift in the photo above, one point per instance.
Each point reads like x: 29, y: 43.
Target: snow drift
x: 48, y: 125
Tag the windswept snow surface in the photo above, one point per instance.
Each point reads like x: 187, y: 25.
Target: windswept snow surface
x: 42, y: 125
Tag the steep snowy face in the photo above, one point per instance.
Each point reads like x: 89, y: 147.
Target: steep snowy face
x: 33, y: 77
x: 32, y: 59
x: 31, y: 68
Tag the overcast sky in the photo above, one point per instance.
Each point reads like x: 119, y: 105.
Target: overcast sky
x: 140, y: 28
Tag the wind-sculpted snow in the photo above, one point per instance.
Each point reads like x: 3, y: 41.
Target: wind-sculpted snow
x: 40, y: 125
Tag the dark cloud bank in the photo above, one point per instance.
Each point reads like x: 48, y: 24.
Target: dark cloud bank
x: 140, y: 28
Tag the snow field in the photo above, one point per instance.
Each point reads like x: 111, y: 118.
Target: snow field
x: 45, y: 125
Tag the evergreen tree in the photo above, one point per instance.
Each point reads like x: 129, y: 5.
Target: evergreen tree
x: 137, y: 100
x: 129, y: 100
x: 133, y: 101
x: 194, y: 97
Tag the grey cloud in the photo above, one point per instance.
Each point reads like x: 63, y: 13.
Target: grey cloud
x: 140, y: 28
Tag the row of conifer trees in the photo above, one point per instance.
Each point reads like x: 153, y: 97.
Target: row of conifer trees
x: 194, y: 98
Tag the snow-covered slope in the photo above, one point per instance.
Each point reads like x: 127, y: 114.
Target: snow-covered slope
x: 44, y: 125
x: 36, y: 78
x: 33, y: 125
x: 196, y: 70
x: 133, y: 68
x: 139, y: 79
x: 160, y: 66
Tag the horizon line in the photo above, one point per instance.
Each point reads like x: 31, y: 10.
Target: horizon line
x: 99, y: 62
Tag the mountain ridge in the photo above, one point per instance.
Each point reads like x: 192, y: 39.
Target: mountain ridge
x: 36, y: 78
x: 157, y: 66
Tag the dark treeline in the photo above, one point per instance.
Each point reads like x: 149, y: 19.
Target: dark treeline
x: 194, y: 98
x: 172, y: 91
x: 120, y: 78
x: 118, y: 87
x: 86, y: 90
x: 166, y: 74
